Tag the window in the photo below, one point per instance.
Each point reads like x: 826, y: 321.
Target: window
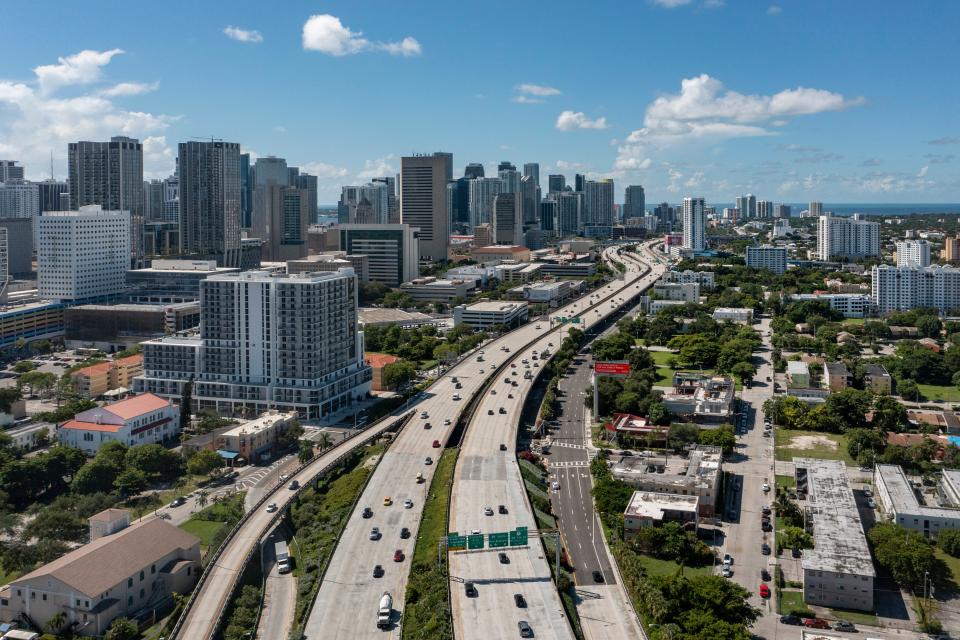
x: 129, y: 601
x: 129, y: 582
x: 142, y: 593
x: 153, y: 568
x: 141, y: 576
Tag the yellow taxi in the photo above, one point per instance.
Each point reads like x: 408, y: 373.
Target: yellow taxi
x: 387, y: 501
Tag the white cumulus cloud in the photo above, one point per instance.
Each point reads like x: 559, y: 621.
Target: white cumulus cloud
x: 671, y: 4
x: 539, y: 90
x: 326, y: 34
x: 774, y: 10
x: 249, y: 36
x: 572, y: 120
x: 130, y: 89
x: 80, y: 68
x: 323, y: 170
x: 378, y: 168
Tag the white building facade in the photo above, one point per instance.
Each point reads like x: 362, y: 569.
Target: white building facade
x: 768, y: 257
x: 847, y: 238
x: 694, y: 224
x: 913, y: 253
x: 905, y: 288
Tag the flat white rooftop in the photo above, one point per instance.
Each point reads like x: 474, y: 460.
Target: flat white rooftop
x: 650, y: 504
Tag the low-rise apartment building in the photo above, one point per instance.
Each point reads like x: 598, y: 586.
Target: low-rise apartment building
x: 378, y: 362
x: 683, y: 291
x: 698, y: 474
x: 255, y: 440
x: 876, y: 379
x: 142, y: 419
x: 898, y: 501
x: 701, y: 398
x: 651, y: 509
x: 838, y: 571
x: 733, y: 314
x: 851, y: 305
x: 97, y: 379
x: 836, y: 376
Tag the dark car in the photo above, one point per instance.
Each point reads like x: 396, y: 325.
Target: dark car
x: 597, y: 576
x: 404, y: 533
x: 427, y: 425
x: 791, y: 619
x: 843, y: 625
x: 519, y: 600
x: 796, y: 553
x: 470, y: 589
x: 398, y: 555
x: 766, y: 510
x: 765, y: 549
x: 367, y: 512
x: 489, y: 412
x: 503, y: 447
x: 525, y: 630
x: 179, y: 500
x: 502, y: 410
x: 503, y: 558
x: 766, y: 526
x: 502, y: 509
x: 378, y: 571
x: 764, y: 575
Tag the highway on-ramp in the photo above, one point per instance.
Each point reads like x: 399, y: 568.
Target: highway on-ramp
x: 488, y: 476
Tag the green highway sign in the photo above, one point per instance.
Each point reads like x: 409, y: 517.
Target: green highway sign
x: 475, y: 541
x: 518, y: 537
x: 499, y: 539
x: 456, y: 542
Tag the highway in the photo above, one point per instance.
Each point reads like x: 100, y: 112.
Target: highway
x: 219, y: 579
x: 346, y: 604
x: 488, y: 476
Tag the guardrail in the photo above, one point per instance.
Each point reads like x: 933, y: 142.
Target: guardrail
x: 374, y: 432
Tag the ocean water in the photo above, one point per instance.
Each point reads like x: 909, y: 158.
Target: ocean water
x: 871, y: 208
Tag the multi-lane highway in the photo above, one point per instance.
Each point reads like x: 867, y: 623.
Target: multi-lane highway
x: 487, y: 476
x: 346, y: 604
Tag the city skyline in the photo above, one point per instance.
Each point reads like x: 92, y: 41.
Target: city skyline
x: 823, y: 123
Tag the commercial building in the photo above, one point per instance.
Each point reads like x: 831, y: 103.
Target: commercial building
x: 837, y: 572
x: 634, y: 202
x: 815, y: 210
x: 9, y: 171
x: 652, y: 509
x: 685, y: 292
x: 517, y: 272
x: 141, y: 419
x: 951, y: 250
x: 701, y: 398
x: 847, y: 238
x: 559, y: 267
x: 489, y: 313
x: 481, y: 194
x: 767, y: 257
x: 898, y: 502
x: 698, y: 474
x: 598, y: 205
x: 96, y: 380
x: 382, y: 317
x: 392, y: 250
x: 423, y: 201
x: 332, y: 262
x: 169, y: 281
x: 733, y: 314
x: 378, y: 362
x: 836, y: 376
x: 798, y: 374
x: 694, y: 224
x: 280, y: 218
x: 110, y: 174
x: 38, y: 320
x: 569, y: 213
x: 431, y: 289
x: 507, y: 219
x: 913, y: 253
x: 210, y: 213
x: 254, y: 440
x: 127, y: 573
x: 851, y: 305
x: 83, y: 254
x: 551, y: 293
x: 876, y: 379
x: 19, y: 199
x: 267, y: 341
x: 20, y: 244
x: 704, y: 278
x: 905, y: 288
x: 376, y: 195
x: 501, y: 253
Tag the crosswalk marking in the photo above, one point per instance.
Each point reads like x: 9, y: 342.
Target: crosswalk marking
x: 571, y: 463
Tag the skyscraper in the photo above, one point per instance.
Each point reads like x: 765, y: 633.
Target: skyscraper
x: 847, y: 238
x: 578, y: 181
x: 246, y: 191
x: 634, y: 202
x: 913, y: 253
x: 597, y: 207
x: 548, y: 215
x: 569, y: 213
x: 781, y: 211
x: 210, y: 200
x: 19, y: 199
x: 507, y: 219
x: 280, y: 218
x: 153, y: 191
x: 694, y: 224
x: 482, y: 191
x: 815, y: 210
x: 532, y: 169
x: 667, y: 216
x: 423, y: 201
x: 393, y: 205
x: 530, y: 199
x: 556, y: 182
x: 308, y: 183
x: 271, y: 170
x: 51, y: 194
x: 9, y: 171
x: 751, y: 202
x: 510, y: 179
x: 506, y: 165
x: 473, y: 170
x: 764, y: 209
x: 110, y: 174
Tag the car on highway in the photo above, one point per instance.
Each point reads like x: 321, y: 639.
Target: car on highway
x: 271, y: 507
x: 503, y: 447
x: 177, y: 502
x: 525, y: 630
x: 367, y: 512
x: 493, y: 392
x: 470, y: 590
x: 408, y: 504
x: 765, y: 549
x: 446, y: 422
x: 520, y: 601
x: 791, y: 619
x: 436, y: 444
x: 843, y: 625
x: 427, y: 425
x: 816, y: 623
x: 424, y: 415
x: 377, y: 571
x: 487, y: 511
x: 294, y: 485
x: 398, y: 555
x: 510, y: 395
x: 404, y: 533
x: 419, y: 478
x: 428, y: 460
x: 387, y: 501
x: 555, y: 486
x: 502, y: 509
x: 502, y: 557
x: 597, y: 576
x: 502, y: 410
x: 764, y: 591
x: 489, y: 412
x: 375, y: 533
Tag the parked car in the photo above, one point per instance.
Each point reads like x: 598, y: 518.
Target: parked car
x: 726, y: 571
x: 519, y: 600
x: 765, y: 549
x: 727, y: 559
x: 470, y: 589
x: 791, y: 620
x: 816, y: 623
x: 764, y: 591
x: 871, y: 503
x: 377, y: 571
x: 843, y: 625
x: 764, y: 575
x: 766, y: 526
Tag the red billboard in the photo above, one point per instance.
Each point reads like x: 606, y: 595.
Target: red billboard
x: 612, y: 368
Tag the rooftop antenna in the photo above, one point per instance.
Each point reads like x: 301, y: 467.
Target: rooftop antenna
x: 51, y: 164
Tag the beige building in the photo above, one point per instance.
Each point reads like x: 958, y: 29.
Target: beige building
x: 696, y: 475
x: 255, y: 438
x: 134, y: 570
x: 651, y: 509
x: 836, y: 377
x: 877, y: 380
x: 97, y: 379
x: 331, y: 262
x: 501, y: 252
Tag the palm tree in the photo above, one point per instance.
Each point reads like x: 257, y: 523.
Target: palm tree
x: 57, y: 622
x: 201, y: 499
x: 325, y: 441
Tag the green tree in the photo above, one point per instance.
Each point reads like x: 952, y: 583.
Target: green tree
x: 8, y: 396
x: 682, y: 434
x: 122, y: 629
x: 723, y: 437
x: 130, y: 482
x: 949, y: 541
x: 23, y: 366
x: 305, y: 453
x: 889, y: 415
x: 154, y: 461
x: 94, y: 477
x: 39, y: 382
x: 906, y: 554
x: 743, y: 371
x: 849, y: 407
x: 186, y: 405
x: 57, y: 622
x: 204, y: 462
x: 398, y: 373
x: 795, y: 538
x: 863, y: 444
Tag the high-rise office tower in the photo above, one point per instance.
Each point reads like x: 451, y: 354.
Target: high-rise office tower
x: 482, y: 191
x: 556, y: 182
x: 153, y: 192
x: 308, y: 183
x: 377, y: 195
x: 9, y: 171
x: 847, y: 238
x: 751, y: 203
x: 507, y: 219
x: 423, y: 201
x: 83, y: 254
x: 281, y: 215
x: 548, y: 215
x: 815, y: 210
x: 569, y: 213
x: 110, y: 174
x: 506, y: 165
x: 246, y: 191
x: 532, y: 170
x: 51, y: 194
x: 913, y: 253
x: 271, y: 170
x: 578, y: 182
x: 510, y: 179
x: 597, y: 206
x: 473, y: 170
x: 293, y: 175
x: 459, y: 191
x: 393, y: 203
x: 694, y: 224
x: 764, y: 209
x: 666, y: 215
x: 530, y: 199
x: 634, y: 202
x: 4, y: 264
x: 951, y: 249
x: 781, y: 211
x: 210, y: 200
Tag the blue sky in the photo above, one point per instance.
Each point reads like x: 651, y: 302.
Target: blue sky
x: 850, y: 101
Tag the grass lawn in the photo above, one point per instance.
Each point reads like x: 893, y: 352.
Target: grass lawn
x: 953, y: 564
x: 662, y: 358
x: 856, y: 617
x: 785, y: 450
x: 786, y: 481
x: 791, y: 601
x: 203, y: 529
x: 658, y: 567
x: 434, y: 523
x: 940, y: 392
x: 852, y: 321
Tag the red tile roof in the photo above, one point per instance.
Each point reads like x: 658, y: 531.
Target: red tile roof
x: 136, y: 406
x: 91, y: 426
x: 380, y: 360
